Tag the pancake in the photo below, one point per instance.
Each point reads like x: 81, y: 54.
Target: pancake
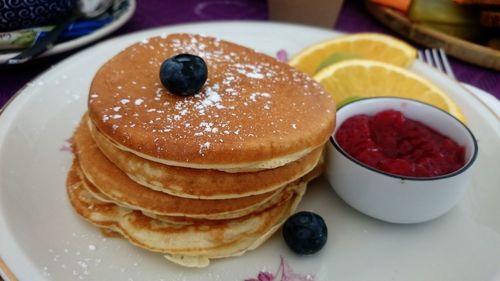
x: 115, y: 184
x: 183, y: 219
x: 204, y: 184
x: 189, y: 245
x: 89, y: 187
x: 75, y: 168
x: 252, y: 113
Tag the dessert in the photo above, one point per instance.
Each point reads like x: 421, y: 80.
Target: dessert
x: 196, y: 170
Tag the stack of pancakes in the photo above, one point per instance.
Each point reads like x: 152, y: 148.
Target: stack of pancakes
x: 200, y: 177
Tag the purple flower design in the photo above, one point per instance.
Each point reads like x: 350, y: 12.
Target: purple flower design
x: 66, y: 146
x: 282, y: 55
x: 284, y: 273
x: 263, y: 276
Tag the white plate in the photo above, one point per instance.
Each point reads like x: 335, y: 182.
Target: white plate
x: 43, y: 239
x: 86, y: 39
x: 488, y: 99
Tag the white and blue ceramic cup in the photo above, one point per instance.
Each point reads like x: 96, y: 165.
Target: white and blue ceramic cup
x: 20, y: 14
x: 392, y: 198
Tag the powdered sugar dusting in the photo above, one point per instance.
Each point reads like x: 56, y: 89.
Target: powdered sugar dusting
x: 204, y: 147
x: 82, y: 256
x: 212, y: 98
x: 250, y: 70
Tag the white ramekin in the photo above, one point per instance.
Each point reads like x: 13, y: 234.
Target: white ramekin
x: 392, y: 198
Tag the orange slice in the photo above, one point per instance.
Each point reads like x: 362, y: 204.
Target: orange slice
x: 355, y: 79
x: 373, y: 46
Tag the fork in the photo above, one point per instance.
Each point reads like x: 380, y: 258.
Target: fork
x: 436, y: 58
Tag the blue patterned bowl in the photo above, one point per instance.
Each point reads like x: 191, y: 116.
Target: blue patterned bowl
x: 18, y: 14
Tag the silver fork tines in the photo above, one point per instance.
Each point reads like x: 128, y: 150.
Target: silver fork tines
x: 436, y: 58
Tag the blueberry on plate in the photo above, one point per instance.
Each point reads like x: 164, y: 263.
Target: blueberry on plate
x: 305, y: 233
x: 183, y: 74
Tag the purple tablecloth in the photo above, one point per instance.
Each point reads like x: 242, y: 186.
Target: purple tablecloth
x: 153, y: 13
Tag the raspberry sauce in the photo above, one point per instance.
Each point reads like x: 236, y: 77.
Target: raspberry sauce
x: 390, y: 142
